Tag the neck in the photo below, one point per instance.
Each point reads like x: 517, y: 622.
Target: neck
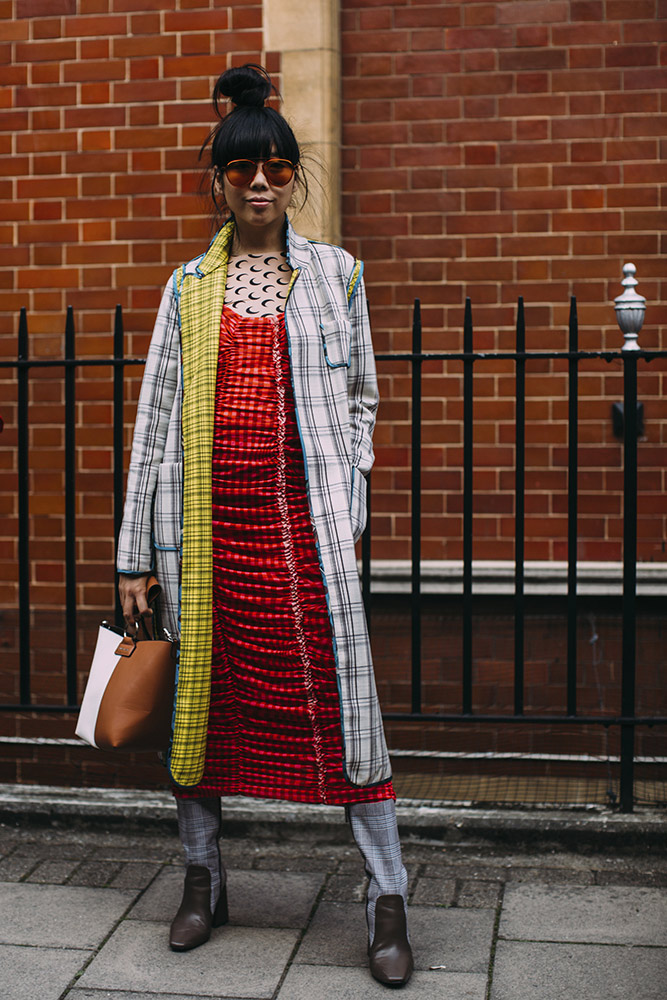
x: 251, y: 239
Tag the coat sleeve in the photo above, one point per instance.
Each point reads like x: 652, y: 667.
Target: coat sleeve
x: 156, y: 399
x: 362, y: 403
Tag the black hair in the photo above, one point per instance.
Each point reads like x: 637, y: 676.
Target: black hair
x: 251, y: 129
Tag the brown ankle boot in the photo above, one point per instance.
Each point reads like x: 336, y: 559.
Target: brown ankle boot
x: 390, y: 954
x: 193, y: 922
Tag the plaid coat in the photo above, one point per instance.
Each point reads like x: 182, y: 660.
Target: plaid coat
x: 167, y: 522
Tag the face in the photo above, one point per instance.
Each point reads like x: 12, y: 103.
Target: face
x: 258, y: 203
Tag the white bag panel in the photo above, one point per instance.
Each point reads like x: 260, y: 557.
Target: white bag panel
x: 101, y: 669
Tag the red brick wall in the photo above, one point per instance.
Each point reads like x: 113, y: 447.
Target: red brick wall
x: 497, y: 149
x: 106, y: 104
x: 490, y: 149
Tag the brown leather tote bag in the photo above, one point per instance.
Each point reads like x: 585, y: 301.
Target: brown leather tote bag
x: 128, y: 703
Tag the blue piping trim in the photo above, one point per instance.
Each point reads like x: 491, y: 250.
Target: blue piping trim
x: 288, y: 254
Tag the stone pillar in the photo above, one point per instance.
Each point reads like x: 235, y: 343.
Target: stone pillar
x: 307, y: 36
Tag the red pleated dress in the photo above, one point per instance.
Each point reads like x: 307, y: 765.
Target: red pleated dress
x: 274, y: 726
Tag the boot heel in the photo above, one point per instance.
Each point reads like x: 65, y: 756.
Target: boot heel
x: 221, y: 914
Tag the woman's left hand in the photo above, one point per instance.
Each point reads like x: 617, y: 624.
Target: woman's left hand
x: 134, y: 597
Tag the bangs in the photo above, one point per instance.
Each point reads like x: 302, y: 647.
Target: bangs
x: 253, y: 133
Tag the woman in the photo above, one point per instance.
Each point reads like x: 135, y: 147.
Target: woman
x: 246, y: 494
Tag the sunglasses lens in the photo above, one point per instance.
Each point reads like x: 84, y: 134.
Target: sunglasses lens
x: 278, y: 172
x: 240, y: 172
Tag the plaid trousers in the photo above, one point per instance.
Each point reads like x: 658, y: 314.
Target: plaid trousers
x: 373, y: 826
x: 376, y: 834
x: 199, y: 827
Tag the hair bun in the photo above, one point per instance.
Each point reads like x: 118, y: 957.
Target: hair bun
x: 246, y: 86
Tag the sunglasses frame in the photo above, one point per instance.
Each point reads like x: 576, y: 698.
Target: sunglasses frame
x: 269, y: 159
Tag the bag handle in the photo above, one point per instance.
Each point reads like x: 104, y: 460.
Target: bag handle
x: 149, y: 625
x: 153, y: 590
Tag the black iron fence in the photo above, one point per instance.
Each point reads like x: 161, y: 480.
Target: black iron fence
x: 70, y: 363
x: 626, y: 722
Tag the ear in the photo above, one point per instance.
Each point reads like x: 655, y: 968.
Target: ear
x: 299, y: 189
x: 218, y: 190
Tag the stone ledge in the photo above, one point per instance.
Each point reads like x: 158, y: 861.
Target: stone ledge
x: 592, y: 826
x: 489, y: 576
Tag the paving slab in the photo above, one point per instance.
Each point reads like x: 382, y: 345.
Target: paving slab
x: 346, y: 888
x: 46, y: 849
x: 28, y: 973
x: 537, y: 971
x: 52, y: 872
x: 237, y: 962
x: 59, y: 916
x: 298, y: 863
x: 162, y: 898
x: 434, y: 892
x: 527, y: 858
x: 256, y: 898
x: 326, y: 983
x: 459, y: 939
x: 9, y: 838
x: 272, y: 899
x: 337, y: 935
x: 135, y: 875
x: 478, y: 894
x: 596, y: 914
x: 13, y: 868
x: 124, y: 995
x: 631, y: 877
x: 95, y: 874
x: 525, y: 873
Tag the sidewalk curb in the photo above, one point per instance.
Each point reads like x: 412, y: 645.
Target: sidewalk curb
x: 278, y: 820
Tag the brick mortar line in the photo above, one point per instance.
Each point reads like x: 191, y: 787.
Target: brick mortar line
x: 494, y: 942
x: 597, y: 944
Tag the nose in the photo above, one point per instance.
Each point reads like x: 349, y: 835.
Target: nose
x: 259, y: 180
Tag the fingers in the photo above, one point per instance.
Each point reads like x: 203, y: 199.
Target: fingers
x: 133, y: 597
x: 140, y: 599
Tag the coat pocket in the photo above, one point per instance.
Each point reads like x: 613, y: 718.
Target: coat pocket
x: 358, y: 509
x: 168, y: 506
x: 335, y: 344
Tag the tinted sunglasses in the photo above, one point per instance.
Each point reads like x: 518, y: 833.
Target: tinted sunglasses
x: 277, y: 172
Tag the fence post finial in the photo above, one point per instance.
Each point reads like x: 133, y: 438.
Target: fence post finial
x: 630, y: 308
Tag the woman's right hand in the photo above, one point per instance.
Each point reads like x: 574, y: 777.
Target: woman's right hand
x: 133, y: 597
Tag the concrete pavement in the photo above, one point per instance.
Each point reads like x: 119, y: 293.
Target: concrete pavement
x: 85, y: 916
